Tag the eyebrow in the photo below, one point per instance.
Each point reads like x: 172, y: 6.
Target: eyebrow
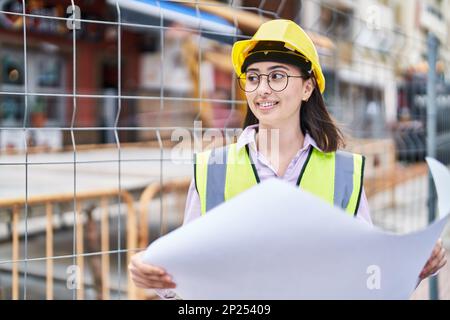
x: 270, y: 68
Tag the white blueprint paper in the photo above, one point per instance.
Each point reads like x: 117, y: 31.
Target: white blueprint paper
x: 275, y: 241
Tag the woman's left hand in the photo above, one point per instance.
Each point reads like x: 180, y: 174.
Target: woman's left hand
x: 436, y: 261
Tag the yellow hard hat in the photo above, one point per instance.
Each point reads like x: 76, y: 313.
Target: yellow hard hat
x: 293, y: 37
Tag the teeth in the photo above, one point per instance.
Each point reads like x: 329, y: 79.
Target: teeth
x: 267, y: 104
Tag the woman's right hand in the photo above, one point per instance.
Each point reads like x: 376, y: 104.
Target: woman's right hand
x: 149, y: 276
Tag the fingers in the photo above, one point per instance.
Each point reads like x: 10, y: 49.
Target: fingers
x: 148, y: 276
x: 436, y: 261
x: 438, y: 252
x: 136, y: 261
x: 424, y: 274
x: 442, y: 263
x: 147, y: 269
x: 429, y: 267
x: 437, y: 248
x: 442, y: 256
x: 154, y: 282
x: 151, y: 278
x: 143, y: 282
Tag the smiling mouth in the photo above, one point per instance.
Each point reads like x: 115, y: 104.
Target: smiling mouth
x: 266, y: 105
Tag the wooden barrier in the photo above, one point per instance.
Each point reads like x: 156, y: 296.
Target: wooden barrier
x: 178, y: 186
x: 154, y: 190
x: 48, y: 201
x: 382, y: 172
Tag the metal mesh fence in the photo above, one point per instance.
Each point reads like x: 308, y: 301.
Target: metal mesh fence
x: 95, y: 96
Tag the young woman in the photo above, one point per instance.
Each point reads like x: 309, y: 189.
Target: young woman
x: 288, y: 134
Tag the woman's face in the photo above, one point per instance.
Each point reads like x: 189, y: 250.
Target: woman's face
x: 277, y: 109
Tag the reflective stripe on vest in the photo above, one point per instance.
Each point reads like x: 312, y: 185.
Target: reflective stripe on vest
x: 223, y: 173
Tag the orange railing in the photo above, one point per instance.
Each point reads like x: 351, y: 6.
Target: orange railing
x: 101, y: 198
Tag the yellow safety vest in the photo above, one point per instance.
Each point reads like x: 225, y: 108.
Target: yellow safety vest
x: 222, y: 173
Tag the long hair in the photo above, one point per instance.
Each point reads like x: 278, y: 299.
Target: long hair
x: 314, y: 120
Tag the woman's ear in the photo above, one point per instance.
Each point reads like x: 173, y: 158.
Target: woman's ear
x: 308, y: 88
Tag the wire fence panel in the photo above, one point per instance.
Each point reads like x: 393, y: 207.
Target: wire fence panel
x: 102, y: 104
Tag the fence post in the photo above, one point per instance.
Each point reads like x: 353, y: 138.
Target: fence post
x: 49, y: 250
x: 15, y: 252
x: 432, y: 43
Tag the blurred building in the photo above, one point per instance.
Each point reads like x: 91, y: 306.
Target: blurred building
x: 372, y: 52
x: 416, y: 22
x: 361, y: 89
x: 376, y: 77
x: 152, y: 65
x: 169, y: 52
x: 49, y: 44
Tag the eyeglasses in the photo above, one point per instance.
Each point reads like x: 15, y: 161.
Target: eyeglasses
x: 277, y: 80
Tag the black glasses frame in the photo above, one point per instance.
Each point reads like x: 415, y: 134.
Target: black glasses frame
x: 242, y: 77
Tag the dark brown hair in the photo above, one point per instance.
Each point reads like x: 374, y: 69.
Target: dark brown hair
x: 314, y: 120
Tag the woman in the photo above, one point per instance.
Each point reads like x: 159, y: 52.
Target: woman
x: 288, y: 134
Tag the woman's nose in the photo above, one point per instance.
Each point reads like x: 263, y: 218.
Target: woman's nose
x: 264, y: 87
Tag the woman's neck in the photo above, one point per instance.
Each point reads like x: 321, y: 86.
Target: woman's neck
x: 279, y: 145
x: 285, y: 140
